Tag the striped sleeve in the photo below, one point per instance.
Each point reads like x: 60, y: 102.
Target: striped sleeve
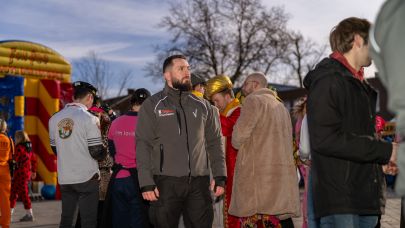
x: 52, y: 133
x: 93, y: 132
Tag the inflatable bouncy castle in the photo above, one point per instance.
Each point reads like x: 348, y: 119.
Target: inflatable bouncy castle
x: 34, y: 84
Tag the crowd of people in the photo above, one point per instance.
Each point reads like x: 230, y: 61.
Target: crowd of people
x: 193, y: 149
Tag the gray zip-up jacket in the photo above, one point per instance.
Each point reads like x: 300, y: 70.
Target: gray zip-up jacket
x: 178, y: 134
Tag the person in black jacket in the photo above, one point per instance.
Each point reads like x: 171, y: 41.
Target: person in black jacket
x: 178, y: 141
x: 347, y: 158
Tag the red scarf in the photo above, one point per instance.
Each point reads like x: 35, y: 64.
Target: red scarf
x: 339, y: 57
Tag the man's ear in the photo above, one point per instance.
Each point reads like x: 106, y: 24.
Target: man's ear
x: 88, y: 97
x: 358, y: 41
x: 167, y: 75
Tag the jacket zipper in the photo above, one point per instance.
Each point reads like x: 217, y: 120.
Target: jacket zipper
x: 178, y: 121
x: 162, y: 158
x: 188, y: 147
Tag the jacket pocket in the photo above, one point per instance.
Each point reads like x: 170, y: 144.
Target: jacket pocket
x: 162, y: 158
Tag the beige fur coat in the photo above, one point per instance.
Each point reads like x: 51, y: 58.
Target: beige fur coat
x: 265, y: 180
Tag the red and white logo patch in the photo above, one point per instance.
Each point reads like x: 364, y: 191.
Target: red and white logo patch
x: 166, y: 112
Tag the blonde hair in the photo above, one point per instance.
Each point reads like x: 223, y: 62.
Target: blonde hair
x: 3, y: 125
x: 21, y: 137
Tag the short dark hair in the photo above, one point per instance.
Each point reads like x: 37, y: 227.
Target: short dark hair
x: 82, y: 89
x: 81, y: 92
x: 169, y: 61
x: 342, y: 36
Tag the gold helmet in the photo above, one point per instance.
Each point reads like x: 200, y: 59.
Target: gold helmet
x: 217, y: 84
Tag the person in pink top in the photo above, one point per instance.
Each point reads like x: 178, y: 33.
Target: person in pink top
x: 126, y: 203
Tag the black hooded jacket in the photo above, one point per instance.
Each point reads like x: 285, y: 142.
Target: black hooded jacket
x: 346, y: 156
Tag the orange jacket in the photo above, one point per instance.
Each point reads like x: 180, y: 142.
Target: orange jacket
x: 6, y: 149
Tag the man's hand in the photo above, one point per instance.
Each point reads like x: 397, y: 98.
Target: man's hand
x: 393, y: 158
x: 391, y: 168
x: 33, y: 175
x: 218, y: 190
x: 151, y: 195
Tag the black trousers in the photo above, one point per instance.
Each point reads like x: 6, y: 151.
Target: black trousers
x: 182, y: 195
x: 83, y: 197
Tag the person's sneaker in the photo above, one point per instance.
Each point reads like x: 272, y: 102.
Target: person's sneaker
x: 27, y: 218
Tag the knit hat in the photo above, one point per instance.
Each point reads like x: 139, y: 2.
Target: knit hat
x: 217, y: 84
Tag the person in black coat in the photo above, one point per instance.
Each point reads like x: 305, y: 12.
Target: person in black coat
x: 347, y: 158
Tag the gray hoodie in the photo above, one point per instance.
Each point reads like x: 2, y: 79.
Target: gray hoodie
x: 178, y: 134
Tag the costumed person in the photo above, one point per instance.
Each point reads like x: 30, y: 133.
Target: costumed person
x: 26, y: 166
x: 265, y: 184
x: 198, y: 84
x: 126, y: 207
x: 6, y: 154
x: 106, y: 164
x: 219, y: 92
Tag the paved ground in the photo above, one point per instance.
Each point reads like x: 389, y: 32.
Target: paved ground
x: 47, y: 214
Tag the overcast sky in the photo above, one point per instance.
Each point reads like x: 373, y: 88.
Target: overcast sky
x: 125, y: 31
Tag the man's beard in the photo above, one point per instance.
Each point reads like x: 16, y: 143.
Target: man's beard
x: 185, y: 86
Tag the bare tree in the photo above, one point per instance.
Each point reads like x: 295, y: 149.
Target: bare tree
x: 302, y: 56
x: 125, y: 79
x: 97, y: 71
x: 94, y: 70
x: 228, y: 37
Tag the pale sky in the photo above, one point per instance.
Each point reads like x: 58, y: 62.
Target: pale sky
x: 125, y: 31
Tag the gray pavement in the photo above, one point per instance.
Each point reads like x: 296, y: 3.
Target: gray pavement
x: 47, y: 214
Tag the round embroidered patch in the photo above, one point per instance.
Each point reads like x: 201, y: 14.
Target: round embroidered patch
x: 65, y: 128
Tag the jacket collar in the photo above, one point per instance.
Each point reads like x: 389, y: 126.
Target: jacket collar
x: 232, y: 105
x: 264, y: 91
x: 173, y: 93
x: 342, y: 59
x: 80, y: 105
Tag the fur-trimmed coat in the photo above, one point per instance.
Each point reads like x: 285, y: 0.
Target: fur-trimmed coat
x: 265, y: 179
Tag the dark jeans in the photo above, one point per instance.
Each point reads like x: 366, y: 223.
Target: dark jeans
x: 83, y: 197
x: 182, y: 195
x: 312, y: 221
x: 128, y: 209
x: 348, y: 221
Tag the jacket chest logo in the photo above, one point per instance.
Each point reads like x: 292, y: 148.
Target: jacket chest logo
x: 195, y: 113
x: 166, y: 112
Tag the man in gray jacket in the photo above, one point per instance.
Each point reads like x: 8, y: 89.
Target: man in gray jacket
x: 178, y: 138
